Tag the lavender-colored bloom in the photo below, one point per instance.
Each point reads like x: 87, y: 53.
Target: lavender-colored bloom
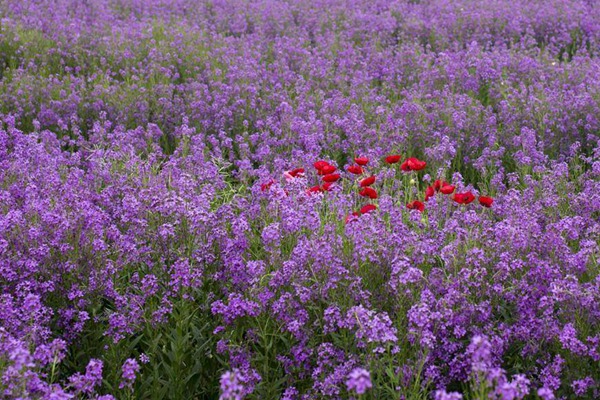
x: 129, y: 370
x: 231, y: 386
x: 581, y: 386
x: 370, y: 326
x: 237, y: 384
x: 359, y: 381
x: 443, y: 395
x: 545, y: 393
x: 93, y: 377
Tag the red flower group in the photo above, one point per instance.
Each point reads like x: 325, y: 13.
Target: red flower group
x: 325, y: 170
x: 329, y: 176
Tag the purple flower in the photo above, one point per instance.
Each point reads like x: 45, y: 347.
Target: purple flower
x: 581, y: 386
x: 370, y: 325
x: 443, y: 395
x: 359, y: 381
x: 129, y: 370
x: 545, y: 393
x: 231, y: 386
x: 93, y: 377
x: 237, y: 384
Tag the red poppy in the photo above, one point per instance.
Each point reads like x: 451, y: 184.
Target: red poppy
x: 314, y: 189
x: 429, y: 192
x: 361, y: 160
x: 368, y: 208
x: 416, y: 205
x: 412, y: 164
x: 326, y: 170
x: 297, y: 172
x: 447, y: 189
x: 486, y: 201
x: 368, y: 192
x: 417, y: 165
x: 355, y: 169
x: 327, y: 186
x: 331, y: 178
x: 464, y: 198
x: 367, y: 181
x: 393, y: 159
x: 320, y: 164
x: 352, y: 217
x: 267, y: 185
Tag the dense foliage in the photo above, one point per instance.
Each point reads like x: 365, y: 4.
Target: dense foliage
x: 299, y: 199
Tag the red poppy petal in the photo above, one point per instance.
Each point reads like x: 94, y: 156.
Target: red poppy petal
x: 464, y: 198
x: 393, y: 159
x: 486, y: 201
x: 429, y: 192
x: 361, y: 160
x: 320, y: 164
x: 297, y: 172
x: 367, y: 181
x: 368, y: 208
x: 447, y: 189
x: 368, y: 192
x: 355, y: 169
x: 416, y: 205
x: 328, y: 169
x: 331, y: 178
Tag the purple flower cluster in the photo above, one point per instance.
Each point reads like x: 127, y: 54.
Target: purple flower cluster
x: 235, y: 385
x: 299, y: 200
x: 359, y: 381
x: 129, y: 370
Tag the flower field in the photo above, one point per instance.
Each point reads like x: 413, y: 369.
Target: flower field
x: 285, y: 199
